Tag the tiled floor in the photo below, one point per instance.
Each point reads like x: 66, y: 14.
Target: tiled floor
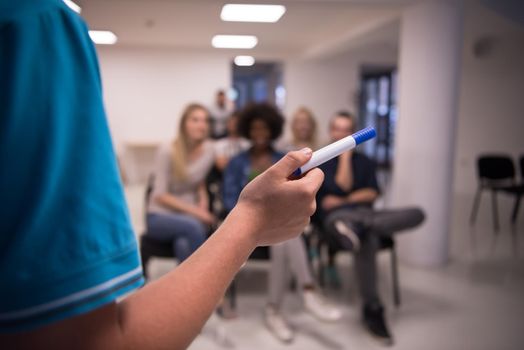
x: 475, y: 302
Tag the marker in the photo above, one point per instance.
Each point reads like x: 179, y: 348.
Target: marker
x: 335, y: 149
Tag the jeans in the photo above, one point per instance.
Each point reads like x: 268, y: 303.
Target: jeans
x: 373, y: 224
x: 185, y: 232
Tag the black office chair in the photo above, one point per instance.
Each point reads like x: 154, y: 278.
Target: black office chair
x: 496, y: 173
x: 150, y: 247
x: 517, y: 191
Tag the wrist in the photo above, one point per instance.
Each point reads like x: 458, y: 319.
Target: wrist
x: 241, y: 223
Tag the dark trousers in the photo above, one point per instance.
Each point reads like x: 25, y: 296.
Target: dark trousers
x: 372, y: 225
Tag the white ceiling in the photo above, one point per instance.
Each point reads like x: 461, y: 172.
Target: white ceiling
x: 309, y: 27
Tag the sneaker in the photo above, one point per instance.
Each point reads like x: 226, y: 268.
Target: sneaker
x: 349, y: 238
x: 375, y: 323
x: 277, y: 325
x: 318, y: 307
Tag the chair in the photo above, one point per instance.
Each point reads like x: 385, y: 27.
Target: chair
x: 150, y: 247
x: 495, y: 173
x: 517, y: 191
x: 385, y: 243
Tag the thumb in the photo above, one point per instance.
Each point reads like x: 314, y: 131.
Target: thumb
x: 291, y: 161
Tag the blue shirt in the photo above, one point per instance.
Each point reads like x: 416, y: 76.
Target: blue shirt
x: 237, y: 175
x: 66, y: 243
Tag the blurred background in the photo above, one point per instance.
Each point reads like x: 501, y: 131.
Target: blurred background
x: 441, y: 81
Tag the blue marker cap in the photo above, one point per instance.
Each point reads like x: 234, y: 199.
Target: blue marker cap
x: 364, y: 135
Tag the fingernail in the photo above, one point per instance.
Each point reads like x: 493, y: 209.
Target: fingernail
x: 307, y: 151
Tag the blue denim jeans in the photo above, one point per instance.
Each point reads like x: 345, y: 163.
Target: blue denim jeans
x: 185, y: 232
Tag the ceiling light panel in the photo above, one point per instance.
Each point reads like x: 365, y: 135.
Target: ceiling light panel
x: 244, y: 61
x: 234, y: 41
x: 252, y: 13
x: 103, y: 37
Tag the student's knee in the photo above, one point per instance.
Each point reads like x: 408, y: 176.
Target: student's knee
x: 196, y: 230
x: 416, y: 216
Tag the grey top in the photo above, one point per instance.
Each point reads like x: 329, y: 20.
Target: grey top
x: 186, y: 190
x: 228, y: 147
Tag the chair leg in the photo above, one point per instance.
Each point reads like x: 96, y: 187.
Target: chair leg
x: 394, y: 273
x: 495, y: 211
x: 516, y: 209
x: 322, y: 264
x: 475, y: 208
x: 232, y: 294
x: 145, y: 260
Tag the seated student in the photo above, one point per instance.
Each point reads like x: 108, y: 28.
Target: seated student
x: 261, y: 124
x: 225, y: 149
x: 303, y: 131
x: 67, y: 248
x: 345, y: 206
x: 231, y: 145
x: 179, y: 209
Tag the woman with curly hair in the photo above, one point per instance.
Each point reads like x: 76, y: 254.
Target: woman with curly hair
x: 262, y: 124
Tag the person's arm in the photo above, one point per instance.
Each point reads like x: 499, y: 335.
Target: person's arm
x: 203, y: 197
x: 364, y: 195
x: 170, y: 312
x: 221, y: 162
x: 172, y: 202
x: 368, y: 191
x: 344, y: 174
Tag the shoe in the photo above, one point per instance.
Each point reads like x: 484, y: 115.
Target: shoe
x: 375, y: 323
x: 349, y: 238
x: 318, y: 307
x: 277, y: 325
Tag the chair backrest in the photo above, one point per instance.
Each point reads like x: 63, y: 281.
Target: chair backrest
x: 149, y: 190
x: 496, y: 169
x: 522, y: 167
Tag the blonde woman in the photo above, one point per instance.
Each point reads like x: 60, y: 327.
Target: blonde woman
x: 178, y: 211
x: 303, y: 131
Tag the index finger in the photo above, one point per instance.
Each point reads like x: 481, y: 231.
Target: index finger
x: 312, y: 180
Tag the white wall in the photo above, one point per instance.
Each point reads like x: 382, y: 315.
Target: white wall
x: 329, y: 85
x: 146, y: 89
x: 491, y: 107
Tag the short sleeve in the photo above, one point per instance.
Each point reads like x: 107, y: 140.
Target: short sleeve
x: 66, y: 243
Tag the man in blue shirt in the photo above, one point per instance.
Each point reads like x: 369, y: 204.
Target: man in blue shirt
x: 67, y: 250
x: 345, y: 203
